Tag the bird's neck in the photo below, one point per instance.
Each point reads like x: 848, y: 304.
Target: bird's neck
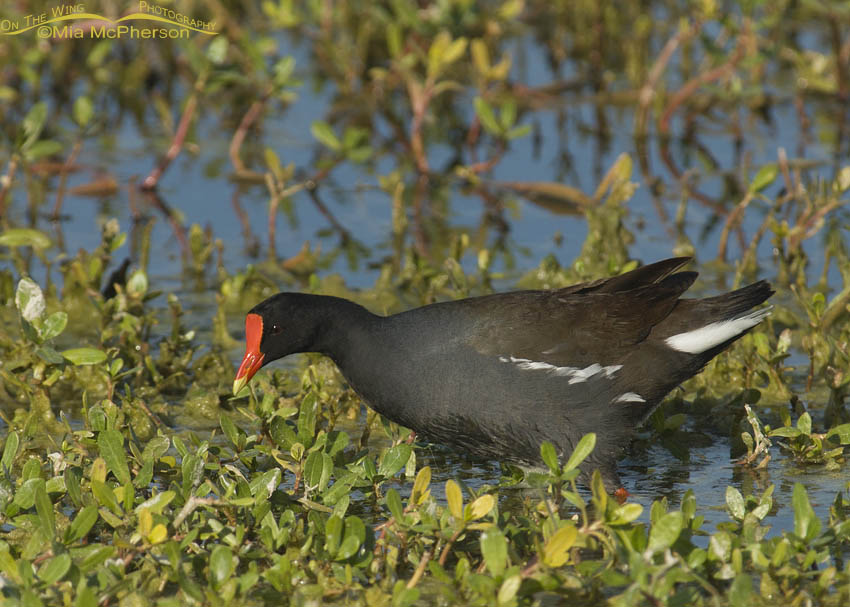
x: 347, y: 330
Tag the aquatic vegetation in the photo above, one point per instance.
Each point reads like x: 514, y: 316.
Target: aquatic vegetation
x: 129, y: 474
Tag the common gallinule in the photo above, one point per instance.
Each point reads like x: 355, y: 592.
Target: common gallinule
x: 499, y: 374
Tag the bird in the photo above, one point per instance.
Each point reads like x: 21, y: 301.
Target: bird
x: 496, y: 375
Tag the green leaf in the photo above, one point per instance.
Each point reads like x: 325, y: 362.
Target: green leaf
x: 665, y: 531
x: 584, y: 448
x: 487, y: 116
x: 508, y: 589
x: 806, y: 523
x: 557, y: 549
x: 480, y: 56
x: 55, y: 568
x: 323, y: 133
x: 307, y: 419
x: 221, y: 564
x: 44, y: 509
x: 843, y: 433
x: 33, y: 124
x: 804, y: 424
x: 54, y: 325
x: 217, y: 50
x: 49, y: 355
x: 25, y: 237
x: 741, y: 591
x: 82, y: 524
x: 83, y: 111
x: 157, y: 503
x: 735, y: 502
x: 333, y: 534
x: 85, y: 356
x: 137, y: 284
x: 29, y: 300
x: 508, y: 114
x: 393, y: 502
x: 111, y: 446
x: 317, y: 470
x: 192, y: 471
x: 494, y: 549
x: 10, y: 451
x: 764, y: 177
x: 72, y: 485
x: 394, y: 460
x: 281, y: 433
x: 230, y: 431
x: 481, y: 506
x: 156, y: 448
x: 105, y: 497
x: 518, y: 131
x: 352, y: 539
x: 43, y: 148
x: 626, y: 513
x: 549, y: 457
x: 454, y: 497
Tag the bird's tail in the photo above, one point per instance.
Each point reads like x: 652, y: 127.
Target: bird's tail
x: 703, y: 326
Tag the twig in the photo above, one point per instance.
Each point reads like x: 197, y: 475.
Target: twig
x: 151, y: 181
x: 242, y: 131
x: 682, y: 95
x: 420, y: 569
x: 191, y: 505
x: 251, y: 244
x: 63, y: 178
x: 274, y: 201
x: 731, y: 219
x: 445, y: 552
x: 647, y: 91
x: 420, y: 96
x: 155, y: 201
x: 312, y: 189
x: 420, y: 237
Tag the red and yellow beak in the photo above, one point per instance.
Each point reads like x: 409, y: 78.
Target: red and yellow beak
x: 253, y: 359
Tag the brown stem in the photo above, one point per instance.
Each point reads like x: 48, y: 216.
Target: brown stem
x: 682, y: 95
x: 323, y: 209
x: 151, y: 181
x: 731, y: 220
x: 419, y: 235
x: 242, y: 131
x: 445, y: 553
x: 420, y: 97
x: 420, y: 569
x: 251, y: 244
x: 647, y: 91
x: 63, y: 178
x: 272, y: 221
x: 155, y: 201
x: 645, y: 96
x: 692, y: 85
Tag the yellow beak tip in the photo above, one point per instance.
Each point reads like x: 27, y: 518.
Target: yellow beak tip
x: 238, y: 385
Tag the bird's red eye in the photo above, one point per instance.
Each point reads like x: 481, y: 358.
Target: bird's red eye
x: 276, y: 329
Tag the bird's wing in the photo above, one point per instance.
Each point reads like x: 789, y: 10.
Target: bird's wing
x: 582, y: 324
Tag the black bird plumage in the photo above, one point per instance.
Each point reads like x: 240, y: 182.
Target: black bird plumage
x: 497, y: 375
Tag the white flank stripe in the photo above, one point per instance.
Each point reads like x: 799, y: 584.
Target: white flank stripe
x: 630, y: 397
x: 575, y: 374
x: 705, y: 338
